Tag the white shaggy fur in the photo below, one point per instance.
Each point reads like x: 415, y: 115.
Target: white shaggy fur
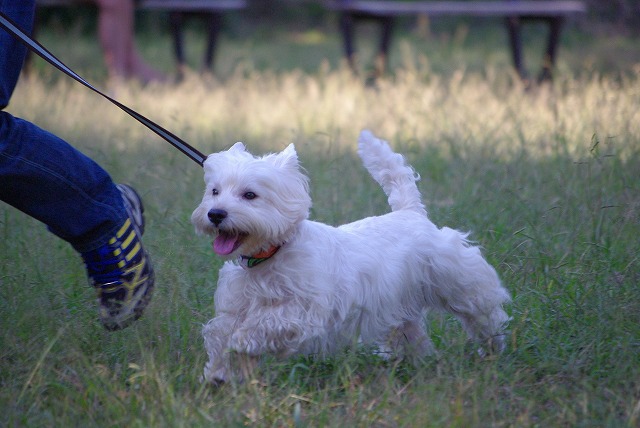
x: 328, y: 287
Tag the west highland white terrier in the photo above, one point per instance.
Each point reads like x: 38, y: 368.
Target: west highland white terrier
x: 301, y: 287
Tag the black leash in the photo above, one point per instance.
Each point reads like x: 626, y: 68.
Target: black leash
x: 172, y: 139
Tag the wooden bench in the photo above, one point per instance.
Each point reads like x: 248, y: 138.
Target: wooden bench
x: 553, y: 13
x: 210, y: 10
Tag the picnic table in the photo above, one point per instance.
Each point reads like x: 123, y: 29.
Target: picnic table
x: 515, y: 12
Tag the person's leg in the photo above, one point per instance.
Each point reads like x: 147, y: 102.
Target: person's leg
x: 115, y: 25
x: 41, y: 175
x: 116, y: 31
x: 45, y: 177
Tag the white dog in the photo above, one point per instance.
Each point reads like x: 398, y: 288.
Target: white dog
x: 302, y: 287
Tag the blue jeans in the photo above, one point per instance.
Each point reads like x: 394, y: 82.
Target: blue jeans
x: 41, y: 174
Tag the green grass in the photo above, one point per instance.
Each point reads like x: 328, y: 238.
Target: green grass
x: 548, y: 181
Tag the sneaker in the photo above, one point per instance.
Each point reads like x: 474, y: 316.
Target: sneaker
x: 121, y: 270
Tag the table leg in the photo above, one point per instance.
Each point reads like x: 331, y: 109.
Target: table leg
x: 214, y: 23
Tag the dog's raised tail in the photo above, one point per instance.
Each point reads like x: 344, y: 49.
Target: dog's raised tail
x: 389, y: 169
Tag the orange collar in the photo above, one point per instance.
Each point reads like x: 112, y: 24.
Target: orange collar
x: 260, y: 257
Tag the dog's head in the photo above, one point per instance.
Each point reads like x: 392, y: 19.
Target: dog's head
x: 251, y: 203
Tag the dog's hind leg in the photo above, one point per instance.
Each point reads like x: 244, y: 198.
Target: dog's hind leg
x: 460, y: 281
x: 482, y: 315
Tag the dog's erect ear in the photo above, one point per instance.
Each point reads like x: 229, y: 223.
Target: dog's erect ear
x: 290, y: 150
x: 288, y: 157
x: 238, y: 147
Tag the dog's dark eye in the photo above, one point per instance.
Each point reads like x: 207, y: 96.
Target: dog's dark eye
x: 214, y: 192
x: 249, y: 195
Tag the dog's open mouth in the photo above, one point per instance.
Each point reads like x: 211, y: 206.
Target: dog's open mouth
x: 226, y: 243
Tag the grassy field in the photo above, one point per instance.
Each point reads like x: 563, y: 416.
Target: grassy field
x: 548, y: 181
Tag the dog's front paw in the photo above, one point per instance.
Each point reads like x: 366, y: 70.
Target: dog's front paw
x: 244, y: 341
x: 495, y: 345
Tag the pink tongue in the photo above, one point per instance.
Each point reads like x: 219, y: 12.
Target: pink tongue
x: 224, y: 244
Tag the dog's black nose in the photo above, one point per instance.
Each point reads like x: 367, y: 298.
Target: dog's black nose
x: 216, y: 216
